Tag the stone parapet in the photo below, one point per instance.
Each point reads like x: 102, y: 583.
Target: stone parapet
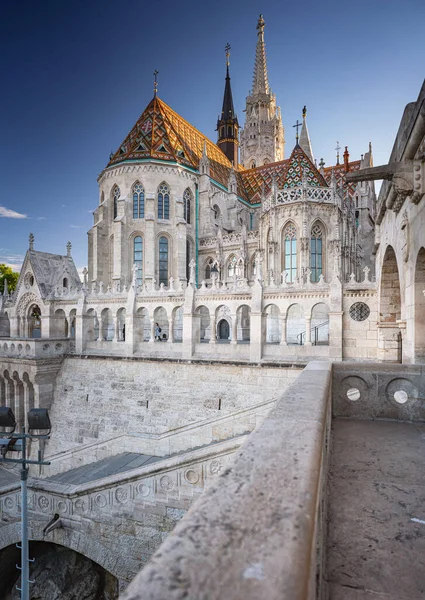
x: 257, y: 531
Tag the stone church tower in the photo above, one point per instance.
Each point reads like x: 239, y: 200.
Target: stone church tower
x: 262, y: 139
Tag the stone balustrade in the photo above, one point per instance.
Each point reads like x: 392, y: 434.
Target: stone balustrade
x: 258, y: 531
x: 35, y: 348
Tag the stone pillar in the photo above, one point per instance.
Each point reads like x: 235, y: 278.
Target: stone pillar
x: 152, y: 339
x: 116, y: 323
x: 17, y: 407
x: 234, y: 337
x: 45, y: 326
x: 257, y: 335
x: 213, y: 336
x: 130, y: 334
x: 188, y: 335
x: 335, y: 335
x: 307, y: 331
x: 26, y: 399
x: 171, y: 330
x: 81, y: 332
x: 283, y: 332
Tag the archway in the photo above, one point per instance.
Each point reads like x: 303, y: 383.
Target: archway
x: 142, y: 325
x: 320, y: 324
x: 243, y: 320
x: 56, y: 567
x: 59, y: 324
x: 34, y: 321
x: 419, y: 300
x: 273, y: 329
x: 4, y: 325
x: 160, y: 317
x: 107, y: 322
x: 91, y: 326
x: 389, y: 309
x: 204, y: 323
x: 223, y: 330
x: 295, y: 324
x: 178, y: 324
x: 120, y: 325
x: 71, y: 320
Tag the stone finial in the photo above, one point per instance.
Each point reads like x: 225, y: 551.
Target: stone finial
x: 85, y: 273
x: 68, y: 249
x: 5, y: 289
x: 135, y: 269
x: 192, y: 266
x: 366, y: 271
x: 31, y: 241
x: 352, y: 278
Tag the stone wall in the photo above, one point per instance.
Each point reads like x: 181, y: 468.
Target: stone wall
x: 101, y: 398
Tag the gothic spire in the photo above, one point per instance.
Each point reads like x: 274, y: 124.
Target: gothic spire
x: 227, y: 124
x: 260, y: 83
x: 305, y: 138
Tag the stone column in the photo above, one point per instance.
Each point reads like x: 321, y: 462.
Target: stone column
x: 116, y: 323
x: 213, y: 336
x: 234, y: 337
x: 257, y: 336
x: 152, y: 330
x: 307, y: 331
x: 335, y: 335
x: 45, y: 326
x: 171, y: 330
x: 26, y: 400
x: 188, y: 336
x: 17, y: 407
x: 283, y: 332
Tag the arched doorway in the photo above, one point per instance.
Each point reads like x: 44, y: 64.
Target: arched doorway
x: 419, y: 329
x: 389, y: 308
x: 223, y: 330
x: 34, y: 321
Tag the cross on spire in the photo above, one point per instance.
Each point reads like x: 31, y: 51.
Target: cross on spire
x: 297, y: 125
x: 227, y: 50
x: 337, y: 149
x: 155, y: 82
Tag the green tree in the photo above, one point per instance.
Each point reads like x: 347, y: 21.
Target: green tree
x: 11, y: 276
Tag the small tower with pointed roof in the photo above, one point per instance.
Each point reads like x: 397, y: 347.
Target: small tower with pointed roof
x: 262, y: 139
x: 305, y: 137
x: 227, y: 123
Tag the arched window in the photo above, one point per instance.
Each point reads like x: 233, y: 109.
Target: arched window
x: 138, y: 257
x: 187, y: 196
x: 316, y: 252
x: 208, y: 268
x: 290, y: 248
x: 231, y: 267
x: 163, y: 201
x: 216, y: 211
x: 116, y: 194
x: 253, y: 164
x: 138, y: 201
x: 163, y: 260
x: 65, y: 282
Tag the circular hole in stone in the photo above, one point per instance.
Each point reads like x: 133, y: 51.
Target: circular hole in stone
x: 401, y: 396
x: 353, y: 394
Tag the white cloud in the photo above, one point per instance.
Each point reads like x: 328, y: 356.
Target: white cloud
x: 41, y: 218
x: 77, y: 226
x: 8, y: 213
x: 10, y: 259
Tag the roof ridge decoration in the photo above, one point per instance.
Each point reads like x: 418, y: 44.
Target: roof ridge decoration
x: 300, y: 168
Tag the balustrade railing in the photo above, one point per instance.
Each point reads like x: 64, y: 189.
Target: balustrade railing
x: 303, y: 193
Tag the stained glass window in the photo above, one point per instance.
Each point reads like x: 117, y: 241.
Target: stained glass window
x: 163, y: 260
x: 316, y: 253
x: 116, y: 194
x: 163, y: 201
x: 138, y: 201
x: 138, y: 257
x: 290, y: 249
x: 187, y: 196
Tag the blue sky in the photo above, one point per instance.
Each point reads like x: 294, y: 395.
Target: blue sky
x: 75, y: 77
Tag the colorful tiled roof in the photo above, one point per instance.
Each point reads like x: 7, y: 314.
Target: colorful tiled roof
x: 339, y: 172
x: 163, y: 134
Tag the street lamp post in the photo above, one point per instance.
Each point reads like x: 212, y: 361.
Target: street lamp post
x: 38, y: 420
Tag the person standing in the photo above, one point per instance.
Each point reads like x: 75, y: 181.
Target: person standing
x: 157, y: 332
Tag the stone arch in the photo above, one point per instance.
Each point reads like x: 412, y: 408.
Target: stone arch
x: 295, y: 324
x: 209, y: 262
x: 204, y: 323
x: 34, y: 321
x: 72, y: 322
x: 160, y: 316
x: 230, y: 269
x: 320, y: 324
x: 419, y: 307
x: 273, y: 329
x: 177, y: 324
x: 91, y: 323
x: 108, y: 558
x: 222, y: 317
x: 243, y: 323
x: 389, y: 335
x: 142, y: 325
x: 162, y: 273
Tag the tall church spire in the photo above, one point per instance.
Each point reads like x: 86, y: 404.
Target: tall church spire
x: 260, y: 83
x: 262, y: 139
x: 227, y: 124
x: 305, y: 138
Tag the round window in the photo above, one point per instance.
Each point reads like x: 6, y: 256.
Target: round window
x: 359, y: 311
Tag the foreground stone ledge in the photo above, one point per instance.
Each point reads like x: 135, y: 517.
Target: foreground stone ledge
x: 253, y: 533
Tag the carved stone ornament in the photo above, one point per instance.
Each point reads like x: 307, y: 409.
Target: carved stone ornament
x: 405, y: 237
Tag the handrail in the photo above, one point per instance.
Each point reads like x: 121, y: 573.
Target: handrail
x: 316, y: 336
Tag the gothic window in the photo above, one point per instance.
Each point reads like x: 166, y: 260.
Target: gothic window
x: 65, y: 282
x: 138, y: 201
x: 208, y: 268
x: 138, y: 257
x: 116, y: 194
x: 163, y: 260
x: 216, y: 211
x: 163, y: 201
x: 290, y: 249
x: 187, y: 196
x: 316, y: 252
x: 253, y: 165
x: 231, y: 267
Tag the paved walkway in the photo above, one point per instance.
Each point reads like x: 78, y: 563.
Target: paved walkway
x: 376, y: 548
